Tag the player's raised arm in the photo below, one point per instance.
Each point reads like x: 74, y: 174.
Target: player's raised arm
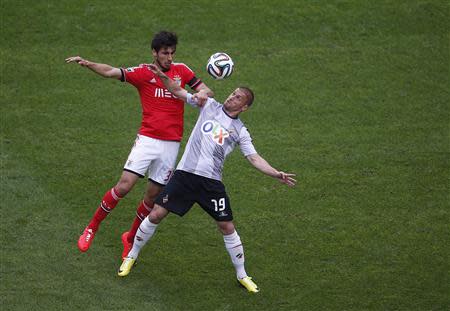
x: 104, y: 70
x: 257, y: 161
x: 203, y: 88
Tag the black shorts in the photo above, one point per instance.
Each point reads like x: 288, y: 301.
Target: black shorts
x: 184, y: 189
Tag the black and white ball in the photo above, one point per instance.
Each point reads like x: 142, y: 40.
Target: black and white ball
x: 220, y: 66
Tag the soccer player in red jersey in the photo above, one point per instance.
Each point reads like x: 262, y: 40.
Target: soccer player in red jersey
x: 156, y: 147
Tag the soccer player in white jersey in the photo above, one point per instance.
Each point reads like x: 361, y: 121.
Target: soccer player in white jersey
x: 199, y: 173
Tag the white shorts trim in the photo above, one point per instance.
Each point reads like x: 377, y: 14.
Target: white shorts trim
x: 153, y: 157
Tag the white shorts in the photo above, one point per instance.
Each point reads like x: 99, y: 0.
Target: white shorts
x: 153, y: 157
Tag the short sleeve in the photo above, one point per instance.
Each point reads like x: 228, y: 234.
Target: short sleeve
x: 188, y: 74
x: 245, y: 142
x: 134, y: 75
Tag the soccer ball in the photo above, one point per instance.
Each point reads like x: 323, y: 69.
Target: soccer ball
x: 220, y: 66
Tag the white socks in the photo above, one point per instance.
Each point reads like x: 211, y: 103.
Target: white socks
x: 232, y: 241
x: 234, y: 247
x: 144, y: 233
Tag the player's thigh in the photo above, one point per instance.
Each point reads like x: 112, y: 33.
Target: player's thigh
x: 215, y: 201
x: 162, y: 167
x: 178, y: 195
x: 144, y: 151
x: 157, y: 214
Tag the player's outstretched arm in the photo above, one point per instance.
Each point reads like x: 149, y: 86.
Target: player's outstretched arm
x: 171, y: 85
x: 200, y: 97
x: 205, y: 89
x: 104, y: 70
x: 257, y: 161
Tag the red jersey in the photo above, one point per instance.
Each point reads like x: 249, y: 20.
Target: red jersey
x: 162, y: 113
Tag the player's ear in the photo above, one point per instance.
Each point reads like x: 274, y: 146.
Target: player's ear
x: 154, y: 53
x: 244, y: 108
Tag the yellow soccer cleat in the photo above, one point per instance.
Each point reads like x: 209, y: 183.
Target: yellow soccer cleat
x: 249, y: 284
x: 126, y: 266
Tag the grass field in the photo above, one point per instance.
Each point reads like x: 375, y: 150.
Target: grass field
x: 353, y: 96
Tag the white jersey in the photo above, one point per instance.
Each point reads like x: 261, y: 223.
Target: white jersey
x: 214, y: 136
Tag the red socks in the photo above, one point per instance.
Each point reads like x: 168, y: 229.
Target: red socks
x: 142, y: 211
x: 109, y: 201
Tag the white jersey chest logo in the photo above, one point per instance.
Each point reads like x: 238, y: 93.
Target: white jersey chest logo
x: 215, y: 130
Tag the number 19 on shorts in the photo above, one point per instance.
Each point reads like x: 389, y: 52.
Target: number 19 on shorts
x: 219, y: 206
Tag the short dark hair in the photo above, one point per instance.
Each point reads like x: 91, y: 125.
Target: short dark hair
x: 164, y: 39
x: 249, y: 93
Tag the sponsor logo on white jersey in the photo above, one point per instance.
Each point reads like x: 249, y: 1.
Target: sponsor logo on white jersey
x: 217, y: 132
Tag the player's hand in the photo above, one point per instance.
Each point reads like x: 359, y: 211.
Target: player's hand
x: 155, y: 69
x: 78, y: 60
x: 287, y: 178
x: 200, y: 97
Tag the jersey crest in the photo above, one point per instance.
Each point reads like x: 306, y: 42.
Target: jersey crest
x: 177, y: 79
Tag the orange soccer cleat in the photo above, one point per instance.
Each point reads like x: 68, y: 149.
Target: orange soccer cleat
x: 85, y: 240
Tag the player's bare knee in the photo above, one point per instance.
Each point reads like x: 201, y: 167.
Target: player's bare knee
x: 125, y: 184
x: 226, y: 227
x: 149, y: 200
x: 123, y: 187
x: 152, y: 192
x: 157, y: 214
x: 153, y: 219
x: 149, y: 197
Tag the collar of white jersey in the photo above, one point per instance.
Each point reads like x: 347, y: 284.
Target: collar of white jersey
x: 235, y: 118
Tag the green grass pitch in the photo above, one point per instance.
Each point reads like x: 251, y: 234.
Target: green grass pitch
x: 352, y: 96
